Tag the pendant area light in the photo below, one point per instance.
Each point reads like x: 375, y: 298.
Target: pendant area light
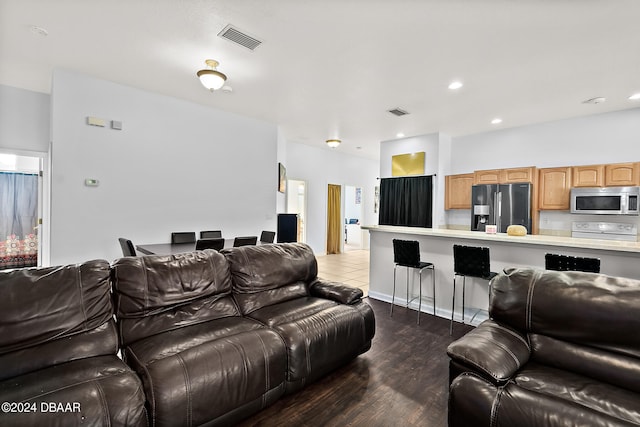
x: 333, y: 143
x: 211, y: 78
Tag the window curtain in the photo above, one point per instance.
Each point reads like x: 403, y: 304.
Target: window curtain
x: 333, y: 219
x: 406, y: 201
x: 18, y: 219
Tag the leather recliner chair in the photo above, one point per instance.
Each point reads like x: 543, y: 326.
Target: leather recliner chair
x: 559, y: 349
x: 58, y: 345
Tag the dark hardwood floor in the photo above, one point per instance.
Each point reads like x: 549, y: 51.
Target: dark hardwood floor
x: 401, y: 381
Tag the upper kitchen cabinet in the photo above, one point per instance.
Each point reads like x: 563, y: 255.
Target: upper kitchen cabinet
x: 509, y: 176
x: 554, y: 188
x: 458, y: 191
x: 487, y: 176
x: 588, y: 176
x: 505, y: 176
x: 622, y: 174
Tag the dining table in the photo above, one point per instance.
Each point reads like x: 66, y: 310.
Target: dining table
x: 174, y: 248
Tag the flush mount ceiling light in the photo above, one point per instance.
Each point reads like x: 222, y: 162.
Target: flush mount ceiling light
x: 496, y: 121
x: 211, y: 78
x: 455, y: 85
x: 333, y: 143
x: 635, y: 97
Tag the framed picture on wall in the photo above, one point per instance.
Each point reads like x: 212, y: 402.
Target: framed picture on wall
x: 282, y: 178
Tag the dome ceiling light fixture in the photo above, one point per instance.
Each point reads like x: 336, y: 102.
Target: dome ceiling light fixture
x: 211, y: 78
x: 333, y: 143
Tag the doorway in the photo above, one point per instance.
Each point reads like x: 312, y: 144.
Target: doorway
x: 353, y: 235
x: 297, y: 203
x: 21, y: 195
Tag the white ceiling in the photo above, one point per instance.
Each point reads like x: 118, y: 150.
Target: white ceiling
x: 332, y: 68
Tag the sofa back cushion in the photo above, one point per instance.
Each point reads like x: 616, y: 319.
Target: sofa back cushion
x: 583, y: 308
x: 54, y: 315
x: 159, y: 293
x: 269, y: 274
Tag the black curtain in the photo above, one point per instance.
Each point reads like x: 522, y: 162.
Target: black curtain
x: 406, y: 201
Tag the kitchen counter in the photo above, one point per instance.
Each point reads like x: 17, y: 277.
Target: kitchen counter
x: 617, y: 258
x: 558, y: 241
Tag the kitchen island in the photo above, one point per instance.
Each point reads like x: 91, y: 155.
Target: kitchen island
x: 617, y: 258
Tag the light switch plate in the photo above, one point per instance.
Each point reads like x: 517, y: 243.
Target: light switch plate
x: 116, y: 124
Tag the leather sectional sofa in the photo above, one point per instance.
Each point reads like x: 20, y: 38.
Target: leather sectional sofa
x: 559, y: 349
x: 207, y: 337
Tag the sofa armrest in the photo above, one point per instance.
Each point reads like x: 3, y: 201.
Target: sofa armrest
x: 492, y: 350
x: 335, y: 291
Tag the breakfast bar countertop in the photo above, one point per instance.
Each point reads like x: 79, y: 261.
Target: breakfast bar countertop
x: 543, y: 240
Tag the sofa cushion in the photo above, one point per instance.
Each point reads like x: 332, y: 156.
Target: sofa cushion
x: 270, y: 274
x: 99, y: 390
x: 600, y: 365
x: 155, y: 294
x: 584, y: 308
x: 53, y: 315
x: 569, y: 387
x: 473, y: 401
x: 320, y: 335
x: 215, y: 373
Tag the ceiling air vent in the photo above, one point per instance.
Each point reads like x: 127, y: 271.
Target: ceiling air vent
x: 398, y: 112
x: 238, y: 37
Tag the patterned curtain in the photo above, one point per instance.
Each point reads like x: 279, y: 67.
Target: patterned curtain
x: 18, y: 219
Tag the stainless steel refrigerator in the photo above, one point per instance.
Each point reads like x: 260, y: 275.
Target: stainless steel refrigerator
x: 501, y: 205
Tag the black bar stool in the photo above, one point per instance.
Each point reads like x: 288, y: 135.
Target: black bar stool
x: 571, y: 263
x: 469, y: 261
x: 406, y: 253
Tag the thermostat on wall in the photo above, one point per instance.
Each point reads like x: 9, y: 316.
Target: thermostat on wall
x: 90, y: 182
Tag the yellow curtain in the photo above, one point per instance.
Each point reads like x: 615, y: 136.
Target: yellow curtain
x: 333, y: 220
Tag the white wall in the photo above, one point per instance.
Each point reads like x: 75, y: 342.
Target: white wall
x: 24, y: 120
x: 320, y: 167
x: 594, y: 139
x: 175, y: 166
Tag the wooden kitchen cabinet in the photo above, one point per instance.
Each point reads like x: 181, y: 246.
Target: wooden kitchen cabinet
x: 505, y: 176
x: 489, y: 176
x: 458, y: 191
x: 509, y: 176
x: 588, y: 176
x: 554, y: 188
x: 622, y: 174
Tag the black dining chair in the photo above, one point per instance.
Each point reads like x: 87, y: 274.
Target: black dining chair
x: 183, y: 237
x: 406, y: 253
x: 213, y: 234
x: 560, y: 262
x: 127, y: 247
x: 245, y: 241
x: 214, y: 243
x: 469, y: 261
x: 267, y: 236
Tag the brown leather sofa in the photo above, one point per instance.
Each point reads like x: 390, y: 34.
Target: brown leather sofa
x: 216, y: 337
x: 560, y: 349
x: 58, y: 345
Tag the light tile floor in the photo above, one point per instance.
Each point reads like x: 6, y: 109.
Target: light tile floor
x: 350, y: 268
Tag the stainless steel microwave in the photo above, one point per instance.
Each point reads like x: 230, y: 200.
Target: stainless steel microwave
x: 605, y: 200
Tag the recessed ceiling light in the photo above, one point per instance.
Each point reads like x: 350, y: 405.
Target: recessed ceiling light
x: 635, y: 97
x: 399, y: 135
x: 455, y: 85
x: 597, y: 100
x: 496, y: 121
x: 39, y: 31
